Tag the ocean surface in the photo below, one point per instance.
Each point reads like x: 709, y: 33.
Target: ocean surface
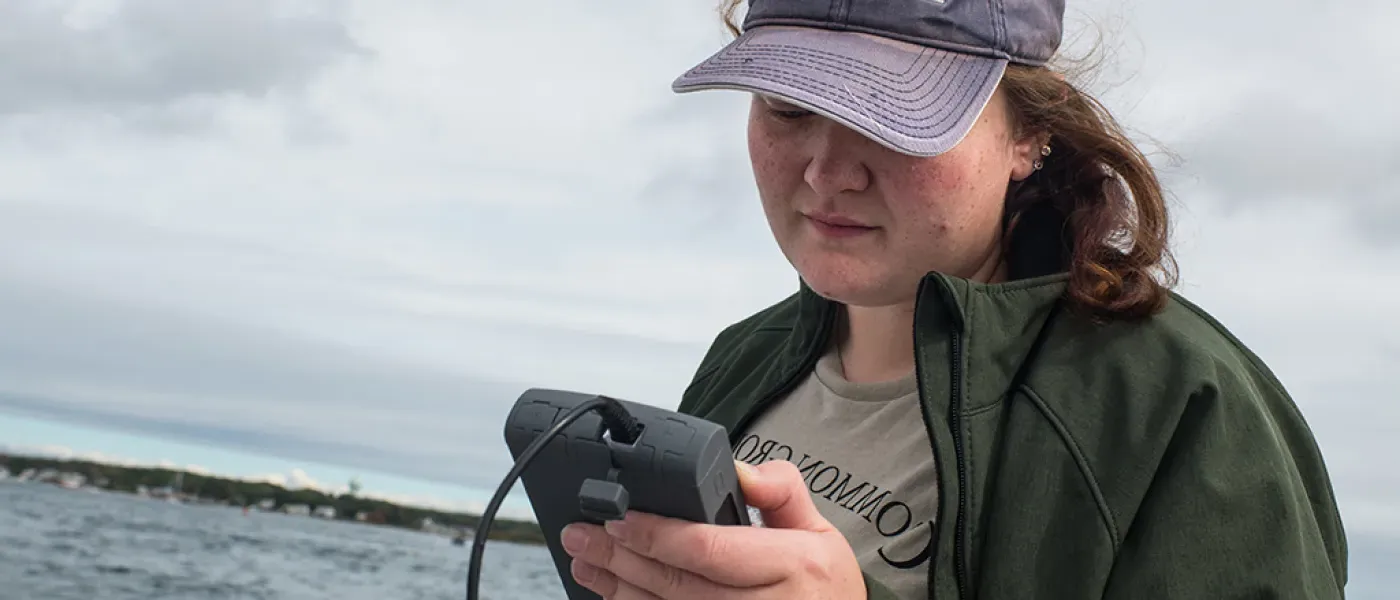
x: 61, y: 544
x: 58, y: 544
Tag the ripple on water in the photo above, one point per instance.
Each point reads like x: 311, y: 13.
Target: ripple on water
x: 68, y: 545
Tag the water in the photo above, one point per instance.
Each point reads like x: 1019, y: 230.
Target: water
x: 58, y: 544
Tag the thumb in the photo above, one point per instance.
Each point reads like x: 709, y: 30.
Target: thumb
x: 776, y: 489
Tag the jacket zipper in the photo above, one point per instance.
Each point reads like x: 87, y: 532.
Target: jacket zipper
x: 937, y: 464
x: 955, y: 421
x: 955, y: 408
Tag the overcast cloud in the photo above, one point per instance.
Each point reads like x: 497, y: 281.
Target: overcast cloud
x: 355, y: 231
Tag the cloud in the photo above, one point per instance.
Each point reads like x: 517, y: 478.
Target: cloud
x: 191, y: 372
x: 135, y: 54
x: 272, y: 478
x: 1261, y: 121
x: 65, y: 453
x: 1271, y: 153
x: 300, y: 480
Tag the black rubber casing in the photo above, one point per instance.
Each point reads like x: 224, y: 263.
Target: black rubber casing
x: 680, y: 466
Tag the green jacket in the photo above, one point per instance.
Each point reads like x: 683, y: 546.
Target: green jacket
x: 1152, y: 459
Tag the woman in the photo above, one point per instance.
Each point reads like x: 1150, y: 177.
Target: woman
x: 983, y: 387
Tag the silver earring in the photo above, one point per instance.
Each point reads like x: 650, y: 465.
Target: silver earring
x: 1039, y: 164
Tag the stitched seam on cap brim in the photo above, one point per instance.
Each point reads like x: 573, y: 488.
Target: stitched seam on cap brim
x: 897, y: 109
x: 903, y: 147
x: 835, y: 117
x: 931, y: 74
x: 725, y: 65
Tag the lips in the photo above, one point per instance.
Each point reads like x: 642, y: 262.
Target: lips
x: 836, y: 220
x: 839, y: 226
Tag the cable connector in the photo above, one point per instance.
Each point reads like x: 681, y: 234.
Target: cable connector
x: 622, y: 426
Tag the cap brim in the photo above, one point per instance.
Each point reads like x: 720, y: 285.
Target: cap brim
x: 913, y: 99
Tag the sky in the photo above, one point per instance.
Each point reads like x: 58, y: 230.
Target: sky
x: 341, y: 238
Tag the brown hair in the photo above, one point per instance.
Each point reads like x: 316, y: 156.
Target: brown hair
x: 1097, y: 198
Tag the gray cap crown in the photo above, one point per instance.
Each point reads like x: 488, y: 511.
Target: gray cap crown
x: 1020, y: 31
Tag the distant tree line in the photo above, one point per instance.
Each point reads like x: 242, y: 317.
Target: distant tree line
x: 248, y: 494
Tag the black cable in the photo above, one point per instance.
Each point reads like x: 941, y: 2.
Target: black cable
x: 621, y: 426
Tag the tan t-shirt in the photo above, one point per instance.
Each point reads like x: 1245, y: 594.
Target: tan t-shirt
x: 865, y: 455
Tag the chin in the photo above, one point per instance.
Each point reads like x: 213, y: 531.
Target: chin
x: 852, y: 277
x: 862, y: 287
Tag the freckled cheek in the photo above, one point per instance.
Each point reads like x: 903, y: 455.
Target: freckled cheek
x: 934, y: 202
x: 776, y: 193
x: 928, y: 185
x: 779, y: 178
x: 769, y: 181
x: 943, y: 180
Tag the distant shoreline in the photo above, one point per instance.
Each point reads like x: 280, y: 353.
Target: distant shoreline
x: 185, y: 487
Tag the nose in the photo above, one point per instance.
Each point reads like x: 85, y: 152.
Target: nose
x: 836, y: 165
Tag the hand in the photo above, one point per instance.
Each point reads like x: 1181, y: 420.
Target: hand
x: 797, y: 554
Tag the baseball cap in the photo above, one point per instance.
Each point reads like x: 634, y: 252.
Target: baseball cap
x: 914, y: 75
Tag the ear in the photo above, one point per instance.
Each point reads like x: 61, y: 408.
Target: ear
x: 1026, y: 152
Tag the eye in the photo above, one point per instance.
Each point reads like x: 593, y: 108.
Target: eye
x: 785, y: 110
x: 795, y: 113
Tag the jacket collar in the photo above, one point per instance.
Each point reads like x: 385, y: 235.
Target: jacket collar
x: 996, y: 324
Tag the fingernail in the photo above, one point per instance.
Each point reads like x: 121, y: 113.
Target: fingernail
x: 745, y: 469
x: 575, y: 541
x: 583, y: 572
x: 617, y: 529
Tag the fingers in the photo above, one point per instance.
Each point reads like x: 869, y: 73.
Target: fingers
x: 677, y: 560
x: 617, y: 567
x: 777, y: 490
x: 742, y: 557
x: 606, y: 584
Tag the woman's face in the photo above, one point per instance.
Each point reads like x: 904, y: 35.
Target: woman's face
x: 861, y: 223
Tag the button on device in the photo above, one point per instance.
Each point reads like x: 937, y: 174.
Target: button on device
x: 676, y: 435
x: 674, y: 442
x: 538, y: 416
